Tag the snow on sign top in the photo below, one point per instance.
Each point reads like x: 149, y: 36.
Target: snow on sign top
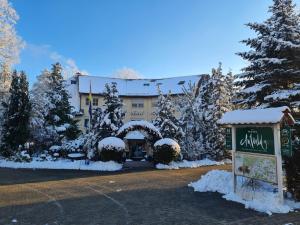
x: 256, y: 116
x: 136, y: 87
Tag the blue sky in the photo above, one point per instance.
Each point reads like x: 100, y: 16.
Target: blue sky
x: 157, y: 38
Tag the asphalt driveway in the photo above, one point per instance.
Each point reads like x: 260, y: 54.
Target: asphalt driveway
x: 133, y: 197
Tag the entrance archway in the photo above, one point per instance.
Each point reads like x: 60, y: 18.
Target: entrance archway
x: 139, y: 137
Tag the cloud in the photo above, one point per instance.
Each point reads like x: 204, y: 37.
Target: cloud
x: 69, y: 65
x: 127, y: 73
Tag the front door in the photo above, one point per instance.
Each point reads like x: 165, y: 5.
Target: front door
x: 137, y: 151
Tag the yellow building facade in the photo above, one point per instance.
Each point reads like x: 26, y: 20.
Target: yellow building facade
x: 139, y: 96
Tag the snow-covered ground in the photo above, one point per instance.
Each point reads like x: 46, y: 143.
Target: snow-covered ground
x: 262, y: 198
x: 62, y: 164
x: 188, y: 164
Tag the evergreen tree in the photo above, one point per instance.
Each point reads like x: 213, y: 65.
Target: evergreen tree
x: 5, y: 81
x: 219, y: 95
x: 273, y: 75
x: 60, y: 113
x: 42, y: 134
x: 165, y: 119
x: 16, y: 116
x: 191, y: 121
x: 113, y: 114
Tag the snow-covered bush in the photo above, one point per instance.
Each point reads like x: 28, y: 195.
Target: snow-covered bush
x: 111, y: 149
x: 22, y: 156
x: 166, y: 150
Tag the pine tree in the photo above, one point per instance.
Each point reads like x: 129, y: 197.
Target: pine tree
x: 60, y: 114
x: 165, y: 119
x: 17, y: 112
x: 219, y: 100
x: 191, y: 122
x: 273, y: 75
x: 42, y: 134
x: 113, y: 114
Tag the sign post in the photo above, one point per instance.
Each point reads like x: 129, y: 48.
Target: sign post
x: 258, y: 143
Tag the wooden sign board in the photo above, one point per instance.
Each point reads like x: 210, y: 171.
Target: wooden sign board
x: 228, y: 138
x: 255, y: 140
x: 286, y: 141
x: 256, y: 166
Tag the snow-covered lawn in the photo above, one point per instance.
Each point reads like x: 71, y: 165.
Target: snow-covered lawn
x: 62, y: 164
x: 262, y: 199
x: 188, y: 164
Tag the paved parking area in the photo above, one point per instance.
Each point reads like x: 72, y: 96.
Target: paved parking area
x: 132, y: 197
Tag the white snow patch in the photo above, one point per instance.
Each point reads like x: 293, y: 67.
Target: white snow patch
x: 135, y: 135
x: 188, y: 164
x: 140, y: 123
x: 133, y: 87
x: 269, y: 115
x: 263, y: 199
x: 282, y: 94
x: 112, y: 143
x: 62, y: 164
x: 75, y: 155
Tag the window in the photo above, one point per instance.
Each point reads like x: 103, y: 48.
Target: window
x: 86, y: 123
x: 146, y: 84
x: 137, y: 103
x: 87, y: 101
x: 95, y: 101
x: 73, y: 82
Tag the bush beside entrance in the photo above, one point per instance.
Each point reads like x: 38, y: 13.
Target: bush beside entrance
x: 165, y: 151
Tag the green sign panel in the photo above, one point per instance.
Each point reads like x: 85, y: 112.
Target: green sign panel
x: 255, y: 140
x: 228, y: 138
x: 286, y: 141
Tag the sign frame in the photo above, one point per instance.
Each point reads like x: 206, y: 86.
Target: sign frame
x: 277, y: 151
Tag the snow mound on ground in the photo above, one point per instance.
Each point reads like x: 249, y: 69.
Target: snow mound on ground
x: 263, y: 199
x: 111, y: 143
x: 62, y: 164
x: 168, y: 141
x: 188, y: 164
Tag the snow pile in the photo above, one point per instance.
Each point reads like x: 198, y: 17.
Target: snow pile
x: 269, y: 115
x: 62, y: 164
x: 168, y: 141
x: 262, y: 199
x: 111, y: 143
x: 188, y: 164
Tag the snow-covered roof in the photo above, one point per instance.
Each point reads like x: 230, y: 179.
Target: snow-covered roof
x: 256, y: 116
x: 136, y: 87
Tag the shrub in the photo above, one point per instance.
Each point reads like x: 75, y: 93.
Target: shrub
x: 165, y: 151
x: 292, y: 167
x: 111, y: 148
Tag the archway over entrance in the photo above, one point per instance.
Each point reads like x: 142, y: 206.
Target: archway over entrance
x: 139, y: 137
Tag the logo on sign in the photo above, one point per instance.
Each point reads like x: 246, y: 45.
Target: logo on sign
x: 253, y: 140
